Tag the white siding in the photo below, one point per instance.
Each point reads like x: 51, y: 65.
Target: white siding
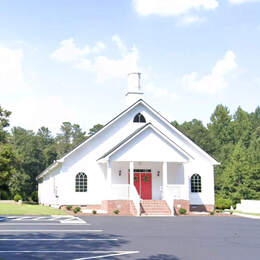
x: 148, y: 147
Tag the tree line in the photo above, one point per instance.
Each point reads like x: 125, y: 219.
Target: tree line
x: 232, y: 139
x: 24, y: 154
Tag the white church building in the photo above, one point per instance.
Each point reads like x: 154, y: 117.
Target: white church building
x: 138, y: 163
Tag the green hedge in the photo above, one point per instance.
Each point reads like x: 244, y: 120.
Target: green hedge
x: 222, y: 203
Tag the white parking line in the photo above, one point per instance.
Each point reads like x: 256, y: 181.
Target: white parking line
x: 117, y: 253
x: 21, y: 218
x: 49, y: 230
x: 38, y: 218
x: 58, y: 239
x: 59, y: 218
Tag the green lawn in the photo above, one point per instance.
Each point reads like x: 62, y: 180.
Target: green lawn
x: 27, y: 209
x: 253, y: 214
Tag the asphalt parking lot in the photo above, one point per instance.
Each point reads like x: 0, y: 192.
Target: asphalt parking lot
x: 142, y: 238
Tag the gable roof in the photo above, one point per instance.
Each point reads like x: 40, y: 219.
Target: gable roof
x: 123, y: 141
x: 140, y: 101
x: 136, y: 133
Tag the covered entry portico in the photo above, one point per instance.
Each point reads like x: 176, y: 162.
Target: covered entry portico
x: 151, y: 180
x: 146, y: 165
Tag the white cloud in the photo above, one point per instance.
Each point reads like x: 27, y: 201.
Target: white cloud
x: 102, y: 66
x: 32, y: 113
x: 189, y: 19
x: 108, y: 68
x: 158, y: 92
x: 216, y: 80
x: 172, y: 7
x: 98, y: 47
x: 11, y: 70
x: 120, y: 44
x: 243, y: 1
x: 69, y: 52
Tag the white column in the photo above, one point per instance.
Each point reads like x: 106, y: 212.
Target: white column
x: 109, y: 177
x: 164, y: 179
x: 131, y: 173
x: 186, y: 191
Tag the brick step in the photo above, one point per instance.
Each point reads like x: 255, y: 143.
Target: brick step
x: 154, y: 207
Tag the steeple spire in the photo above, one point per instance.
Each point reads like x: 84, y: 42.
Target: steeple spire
x: 134, y: 92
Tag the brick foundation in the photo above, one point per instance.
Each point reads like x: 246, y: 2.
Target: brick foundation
x: 185, y: 204
x: 93, y: 206
x: 126, y: 207
x: 202, y: 208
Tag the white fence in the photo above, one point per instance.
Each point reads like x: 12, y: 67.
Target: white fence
x: 249, y: 206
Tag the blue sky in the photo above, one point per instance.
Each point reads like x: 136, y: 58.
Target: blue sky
x: 68, y: 60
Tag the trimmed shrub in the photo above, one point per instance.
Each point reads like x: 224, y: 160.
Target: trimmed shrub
x: 182, y: 211
x: 35, y: 196
x: 94, y: 211
x: 17, y: 197
x: 117, y: 211
x: 4, y: 195
x: 76, y: 210
x: 212, y: 213
x: 222, y: 203
x: 69, y: 207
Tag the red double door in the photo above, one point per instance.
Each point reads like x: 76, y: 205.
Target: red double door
x: 143, y: 184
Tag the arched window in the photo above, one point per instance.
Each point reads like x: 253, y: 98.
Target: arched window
x: 195, y: 183
x: 81, y: 184
x: 139, y: 118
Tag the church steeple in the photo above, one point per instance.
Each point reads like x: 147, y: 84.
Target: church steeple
x: 134, y: 92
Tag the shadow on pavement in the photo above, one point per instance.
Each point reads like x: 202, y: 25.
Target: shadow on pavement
x: 57, y: 245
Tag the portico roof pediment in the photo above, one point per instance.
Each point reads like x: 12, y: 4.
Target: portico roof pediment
x: 146, y: 144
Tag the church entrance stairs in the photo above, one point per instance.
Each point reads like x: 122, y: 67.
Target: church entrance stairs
x: 154, y: 208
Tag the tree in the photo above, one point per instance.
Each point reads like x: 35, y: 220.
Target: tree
x: 94, y: 129
x: 4, y: 122
x: 45, y: 136
x: 255, y: 118
x: 69, y: 138
x: 241, y: 127
x: 78, y: 135
x: 48, y: 145
x: 8, y: 165
x: 220, y: 125
x: 20, y: 184
x: 8, y: 158
x: 254, y: 162
x: 30, y: 151
x: 237, y: 183
x: 198, y: 133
